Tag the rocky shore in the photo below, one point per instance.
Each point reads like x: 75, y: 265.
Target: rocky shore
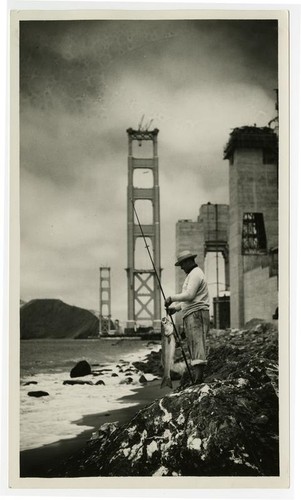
x: 226, y: 426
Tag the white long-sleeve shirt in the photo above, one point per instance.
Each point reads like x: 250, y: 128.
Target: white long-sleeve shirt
x: 194, y: 295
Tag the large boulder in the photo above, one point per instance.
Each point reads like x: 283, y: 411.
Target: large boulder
x: 81, y: 369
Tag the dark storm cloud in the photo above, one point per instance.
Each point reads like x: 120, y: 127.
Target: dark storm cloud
x: 46, y: 74
x: 256, y: 39
x: 70, y: 59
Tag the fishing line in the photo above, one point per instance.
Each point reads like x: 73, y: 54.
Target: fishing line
x: 178, y: 338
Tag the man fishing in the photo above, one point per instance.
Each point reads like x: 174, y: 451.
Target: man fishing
x: 193, y: 301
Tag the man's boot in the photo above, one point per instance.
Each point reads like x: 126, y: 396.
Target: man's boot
x: 198, y: 373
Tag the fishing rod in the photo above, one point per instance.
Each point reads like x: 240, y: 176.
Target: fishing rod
x: 163, y: 294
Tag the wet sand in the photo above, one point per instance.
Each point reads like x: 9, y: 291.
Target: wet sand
x: 36, y: 462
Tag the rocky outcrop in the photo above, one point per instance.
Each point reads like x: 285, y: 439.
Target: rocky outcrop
x: 77, y: 382
x: 37, y: 394
x: 197, y: 431
x: 100, y: 382
x: 152, y: 364
x: 81, y: 369
x: 227, y: 426
x: 50, y: 318
x: 127, y: 380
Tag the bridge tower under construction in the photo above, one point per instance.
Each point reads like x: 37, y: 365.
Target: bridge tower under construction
x: 104, y: 300
x: 144, y: 296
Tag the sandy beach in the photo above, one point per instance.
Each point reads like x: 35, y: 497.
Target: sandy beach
x: 37, y: 462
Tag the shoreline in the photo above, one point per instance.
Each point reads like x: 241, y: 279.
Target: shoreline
x: 37, y: 461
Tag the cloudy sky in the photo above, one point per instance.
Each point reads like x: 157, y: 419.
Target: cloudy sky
x: 83, y: 83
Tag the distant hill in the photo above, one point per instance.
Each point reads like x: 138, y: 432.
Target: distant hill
x: 51, y: 318
x: 92, y: 311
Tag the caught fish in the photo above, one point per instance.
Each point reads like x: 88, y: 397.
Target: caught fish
x: 168, y: 350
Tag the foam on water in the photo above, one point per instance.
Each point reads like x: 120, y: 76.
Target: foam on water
x: 48, y: 419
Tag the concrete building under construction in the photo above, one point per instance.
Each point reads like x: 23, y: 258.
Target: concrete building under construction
x: 252, y: 153
x: 246, y: 231
x: 208, y: 234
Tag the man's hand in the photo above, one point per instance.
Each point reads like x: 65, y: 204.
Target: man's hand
x: 167, y: 302
x: 171, y: 310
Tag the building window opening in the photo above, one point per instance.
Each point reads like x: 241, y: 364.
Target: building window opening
x: 254, y: 239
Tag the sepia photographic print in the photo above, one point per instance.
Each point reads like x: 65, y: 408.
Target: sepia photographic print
x: 149, y: 249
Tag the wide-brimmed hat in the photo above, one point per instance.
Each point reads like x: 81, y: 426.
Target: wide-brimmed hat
x: 185, y: 254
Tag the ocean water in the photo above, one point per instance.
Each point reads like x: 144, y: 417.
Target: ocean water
x: 48, y: 419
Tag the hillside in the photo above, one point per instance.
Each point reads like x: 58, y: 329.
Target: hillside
x: 51, y: 318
